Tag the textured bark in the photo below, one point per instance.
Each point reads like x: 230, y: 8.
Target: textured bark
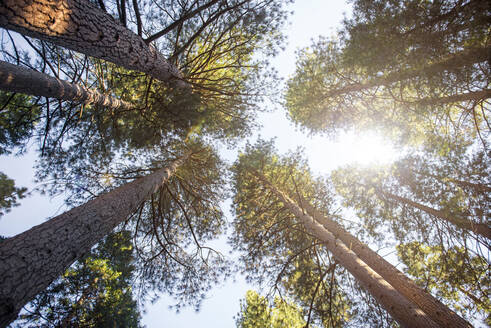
x: 81, y: 26
x: 436, y: 310
x: 24, y: 80
x: 463, y: 223
x: 402, y: 310
x: 31, y: 260
x: 468, y: 96
x: 461, y: 59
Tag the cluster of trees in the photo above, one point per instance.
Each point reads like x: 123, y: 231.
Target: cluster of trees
x: 405, y: 67
x: 112, y: 91
x: 418, y: 71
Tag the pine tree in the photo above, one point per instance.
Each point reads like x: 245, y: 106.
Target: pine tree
x: 262, y: 167
x: 81, y: 26
x: 433, y: 201
x: 22, y: 80
x: 404, y: 67
x: 33, y: 259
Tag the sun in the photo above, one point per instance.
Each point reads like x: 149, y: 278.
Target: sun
x: 350, y: 148
x: 368, y: 148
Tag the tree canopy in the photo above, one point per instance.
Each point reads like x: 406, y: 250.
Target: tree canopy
x: 277, y: 250
x: 408, y: 68
x: 143, y: 170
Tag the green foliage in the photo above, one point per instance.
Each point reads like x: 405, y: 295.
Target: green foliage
x: 277, y: 250
x: 221, y: 52
x: 96, y: 291
x: 384, y: 35
x: 173, y: 227
x: 18, y: 117
x: 460, y: 279
x: 9, y: 194
x: 406, y: 68
x: 445, y: 257
x: 255, y: 311
x: 455, y: 183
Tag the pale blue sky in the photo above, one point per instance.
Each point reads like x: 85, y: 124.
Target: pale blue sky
x: 311, y: 19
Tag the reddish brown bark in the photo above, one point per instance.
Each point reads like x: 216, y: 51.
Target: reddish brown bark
x: 81, y: 26
x: 479, y: 187
x: 468, y: 96
x: 24, y: 80
x: 401, y: 309
x: 436, y: 310
x: 463, y: 223
x: 31, y: 260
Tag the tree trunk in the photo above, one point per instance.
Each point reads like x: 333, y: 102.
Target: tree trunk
x: 479, y: 187
x: 457, y: 60
x: 31, y: 260
x: 468, y: 96
x: 402, y: 310
x: 81, y: 26
x: 463, y: 223
x: 436, y: 310
x: 24, y: 80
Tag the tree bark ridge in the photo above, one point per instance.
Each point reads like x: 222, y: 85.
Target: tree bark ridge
x: 438, y: 312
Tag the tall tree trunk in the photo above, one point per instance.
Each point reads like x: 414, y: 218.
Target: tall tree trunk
x: 81, y: 26
x: 467, y: 96
x: 24, y: 80
x: 402, y: 310
x: 478, y: 187
x: 436, y: 310
x: 460, y: 59
x: 463, y: 223
x: 31, y: 260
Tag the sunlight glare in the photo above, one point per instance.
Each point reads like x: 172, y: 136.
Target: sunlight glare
x: 366, y: 149
x: 351, y: 148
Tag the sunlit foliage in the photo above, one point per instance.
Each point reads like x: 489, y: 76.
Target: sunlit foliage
x: 256, y: 312
x: 407, y: 68
x: 277, y: 251
x: 461, y: 279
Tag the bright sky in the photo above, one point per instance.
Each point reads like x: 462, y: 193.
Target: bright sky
x: 311, y: 18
